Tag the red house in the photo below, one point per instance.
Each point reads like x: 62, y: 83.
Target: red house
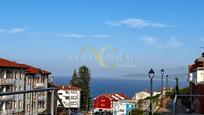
x: 104, y: 102
x: 196, y: 81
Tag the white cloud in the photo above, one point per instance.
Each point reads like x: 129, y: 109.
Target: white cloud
x: 171, y: 43
x: 73, y: 35
x: 149, y: 40
x: 137, y: 23
x: 2, y: 30
x: 14, y: 30
x: 100, y: 36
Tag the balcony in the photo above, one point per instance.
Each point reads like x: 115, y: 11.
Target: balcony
x: 6, y: 98
x: 41, y: 98
x: 7, y: 112
x: 4, y: 81
x: 39, y: 85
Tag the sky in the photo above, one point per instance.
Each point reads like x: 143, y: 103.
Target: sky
x: 56, y: 34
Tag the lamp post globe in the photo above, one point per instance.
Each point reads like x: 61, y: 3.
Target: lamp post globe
x: 151, y: 73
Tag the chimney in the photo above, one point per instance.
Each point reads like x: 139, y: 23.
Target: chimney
x: 63, y: 86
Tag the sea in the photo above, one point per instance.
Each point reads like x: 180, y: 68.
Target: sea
x: 128, y: 86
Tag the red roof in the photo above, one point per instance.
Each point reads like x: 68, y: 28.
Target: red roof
x: 7, y: 63
x: 29, y: 69
x: 114, y: 96
x: 34, y: 70
x: 68, y: 87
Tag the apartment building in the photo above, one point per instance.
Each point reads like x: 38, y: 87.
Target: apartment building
x: 12, y: 77
x: 20, y: 77
x: 70, y: 96
x: 35, y: 78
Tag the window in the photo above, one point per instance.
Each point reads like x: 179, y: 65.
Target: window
x: 73, y: 97
x: 20, y: 104
x: 21, y: 75
x: 29, y: 80
x: 19, y: 88
x: 73, y: 91
x: 15, y: 74
x: 73, y: 103
x: 16, y: 88
x: 67, y: 92
x: 67, y: 97
x: 28, y: 107
x: 59, y: 93
x: 15, y: 104
x: 34, y: 104
x: 43, y: 79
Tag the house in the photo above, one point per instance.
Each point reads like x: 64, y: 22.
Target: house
x: 20, y: 77
x: 196, y: 82
x: 141, y: 95
x: 105, y: 102
x: 144, y: 94
x: 123, y: 107
x: 70, y: 96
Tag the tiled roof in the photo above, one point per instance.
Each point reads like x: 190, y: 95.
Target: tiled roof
x: 34, y: 70
x: 29, y: 69
x: 115, y: 96
x: 7, y: 63
x: 68, y: 87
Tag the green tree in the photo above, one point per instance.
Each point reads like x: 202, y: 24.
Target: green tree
x: 75, y: 81
x: 85, y: 78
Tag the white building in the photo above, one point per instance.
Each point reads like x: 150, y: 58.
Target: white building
x: 123, y: 107
x: 144, y: 94
x: 141, y: 95
x: 70, y: 96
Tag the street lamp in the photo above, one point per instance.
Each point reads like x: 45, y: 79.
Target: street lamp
x: 162, y: 85
x: 162, y: 73
x: 151, y: 76
x: 167, y: 82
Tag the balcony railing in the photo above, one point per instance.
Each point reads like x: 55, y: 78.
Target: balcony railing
x: 7, y: 112
x: 41, y: 98
x: 39, y: 85
x: 4, y: 81
x: 6, y: 98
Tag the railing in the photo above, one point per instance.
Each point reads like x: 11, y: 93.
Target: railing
x: 6, y: 81
x: 41, y: 98
x: 175, y: 111
x: 6, y: 98
x: 175, y: 105
x: 6, y: 112
x: 39, y: 85
x: 54, y: 96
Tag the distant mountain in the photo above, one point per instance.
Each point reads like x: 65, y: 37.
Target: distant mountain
x: 181, y: 76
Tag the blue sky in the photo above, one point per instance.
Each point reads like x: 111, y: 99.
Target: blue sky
x: 159, y: 34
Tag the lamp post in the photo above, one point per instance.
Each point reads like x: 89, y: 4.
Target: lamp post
x: 167, y: 82
x: 162, y: 80
x: 151, y: 76
x: 162, y: 86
